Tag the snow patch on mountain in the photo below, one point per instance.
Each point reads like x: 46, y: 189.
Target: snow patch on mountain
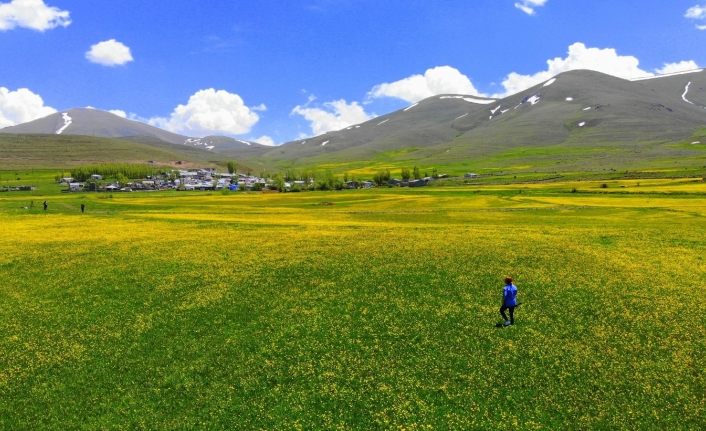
x: 471, y: 99
x: 67, y: 122
x: 408, y: 108
x: 534, y: 99
x: 686, y: 72
x: 569, y: 99
x: 581, y: 124
x: 686, y: 91
x: 383, y: 122
x: 324, y: 143
x: 479, y: 101
x: 461, y: 116
x: 493, y: 111
x: 550, y: 82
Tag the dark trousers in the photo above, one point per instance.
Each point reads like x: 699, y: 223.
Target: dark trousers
x: 512, y: 313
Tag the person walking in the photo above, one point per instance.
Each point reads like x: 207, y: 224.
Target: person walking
x: 45, y: 205
x: 509, y: 302
x: 83, y: 207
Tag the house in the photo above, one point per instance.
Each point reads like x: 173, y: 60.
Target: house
x: 67, y: 180
x: 111, y: 188
x: 97, y: 177
x: 75, y: 187
x: 470, y: 175
x: 418, y: 183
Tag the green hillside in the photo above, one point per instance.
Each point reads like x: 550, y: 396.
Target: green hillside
x: 60, y: 151
x: 580, y: 120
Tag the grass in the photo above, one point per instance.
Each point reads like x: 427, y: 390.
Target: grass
x: 374, y: 311
x: 63, y: 152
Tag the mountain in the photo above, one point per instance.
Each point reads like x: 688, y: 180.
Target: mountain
x: 96, y: 123
x: 579, y: 120
x: 93, y: 122
x: 229, y: 146
x: 63, y: 151
x: 576, y: 119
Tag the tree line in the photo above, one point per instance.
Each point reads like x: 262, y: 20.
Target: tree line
x: 113, y: 170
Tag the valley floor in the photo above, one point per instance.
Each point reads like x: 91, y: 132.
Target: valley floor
x: 371, y: 309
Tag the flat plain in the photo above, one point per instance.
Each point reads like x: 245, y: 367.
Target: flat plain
x: 371, y: 309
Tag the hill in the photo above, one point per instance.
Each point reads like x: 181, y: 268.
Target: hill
x: 59, y: 151
x: 93, y: 122
x: 580, y: 120
x: 96, y: 123
x: 577, y: 121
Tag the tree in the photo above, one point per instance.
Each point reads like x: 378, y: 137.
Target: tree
x: 278, y: 182
x: 232, y: 166
x: 405, y: 174
x: 416, y: 173
x: 122, y: 179
x: 381, y: 177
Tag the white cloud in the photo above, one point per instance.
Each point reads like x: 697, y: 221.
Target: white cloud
x: 698, y: 13
x: 579, y: 56
x: 335, y: 115
x: 529, y: 6
x: 109, y: 53
x: 605, y: 60
x: 118, y: 112
x: 438, y: 80
x: 20, y: 106
x: 32, y: 14
x: 210, y: 112
x: 681, y: 66
x: 265, y: 140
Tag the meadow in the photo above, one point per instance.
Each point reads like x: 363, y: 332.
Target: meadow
x: 371, y: 309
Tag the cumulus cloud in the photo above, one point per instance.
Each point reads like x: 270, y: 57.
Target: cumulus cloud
x: 437, y: 80
x: 681, y: 66
x: 109, y: 53
x: 265, y: 140
x: 605, y: 60
x: 20, y: 106
x: 529, y: 6
x: 209, y: 112
x: 32, y: 14
x: 579, y: 56
x: 335, y: 115
x: 697, y: 13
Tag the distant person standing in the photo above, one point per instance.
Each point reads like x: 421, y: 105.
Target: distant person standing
x: 83, y: 207
x: 509, y: 302
x: 45, y: 205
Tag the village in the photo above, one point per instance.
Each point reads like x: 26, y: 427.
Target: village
x: 209, y: 179
x: 186, y: 180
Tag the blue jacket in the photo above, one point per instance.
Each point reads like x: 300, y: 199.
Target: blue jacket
x: 510, y: 295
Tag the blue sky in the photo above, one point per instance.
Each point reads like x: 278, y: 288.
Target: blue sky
x: 280, y: 70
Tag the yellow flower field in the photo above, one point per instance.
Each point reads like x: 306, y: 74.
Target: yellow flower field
x: 367, y: 309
